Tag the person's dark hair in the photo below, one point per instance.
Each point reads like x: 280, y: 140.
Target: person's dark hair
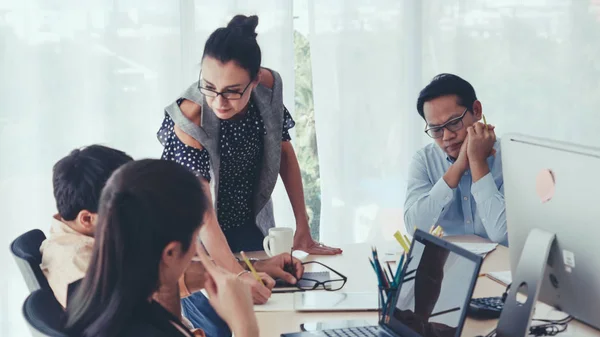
x: 78, y: 178
x: 444, y: 85
x: 145, y: 205
x: 236, y: 42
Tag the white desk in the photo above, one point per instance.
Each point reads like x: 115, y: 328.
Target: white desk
x: 353, y: 263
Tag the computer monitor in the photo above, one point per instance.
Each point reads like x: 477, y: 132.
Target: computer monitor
x: 551, y: 191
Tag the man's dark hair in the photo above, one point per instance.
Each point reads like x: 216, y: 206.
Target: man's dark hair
x: 444, y: 85
x: 78, y: 178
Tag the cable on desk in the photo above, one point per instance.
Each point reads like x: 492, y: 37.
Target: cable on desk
x: 550, y: 328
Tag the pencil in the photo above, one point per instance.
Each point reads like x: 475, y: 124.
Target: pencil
x: 390, y: 269
x: 388, y: 279
x: 252, y: 270
x: 444, y: 312
x: 399, y: 271
x: 292, y: 262
x: 408, y: 279
x: 379, y: 268
x: 379, y: 281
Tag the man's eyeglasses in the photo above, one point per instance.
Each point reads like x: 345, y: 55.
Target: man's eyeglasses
x: 228, y: 95
x: 452, y: 125
x: 332, y: 284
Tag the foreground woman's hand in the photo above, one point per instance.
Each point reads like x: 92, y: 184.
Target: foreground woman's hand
x: 230, y: 298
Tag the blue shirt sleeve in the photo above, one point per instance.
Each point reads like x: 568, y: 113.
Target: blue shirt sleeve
x: 426, y: 200
x: 491, y: 207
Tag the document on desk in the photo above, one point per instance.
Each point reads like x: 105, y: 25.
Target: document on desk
x: 503, y: 277
x: 392, y: 254
x: 477, y: 248
x: 277, y: 302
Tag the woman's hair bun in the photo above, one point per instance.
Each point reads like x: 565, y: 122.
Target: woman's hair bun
x: 247, y: 24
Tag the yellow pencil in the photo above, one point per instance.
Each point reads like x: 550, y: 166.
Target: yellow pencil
x: 252, y: 270
x: 407, y: 240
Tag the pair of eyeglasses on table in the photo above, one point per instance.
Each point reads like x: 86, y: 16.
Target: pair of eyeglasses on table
x: 322, y: 280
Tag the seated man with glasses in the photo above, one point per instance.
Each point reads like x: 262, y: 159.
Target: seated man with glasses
x: 456, y: 182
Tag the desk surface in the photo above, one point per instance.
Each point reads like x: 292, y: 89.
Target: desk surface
x: 361, y: 279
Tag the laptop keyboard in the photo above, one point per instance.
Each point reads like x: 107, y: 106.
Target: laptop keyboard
x: 363, y: 331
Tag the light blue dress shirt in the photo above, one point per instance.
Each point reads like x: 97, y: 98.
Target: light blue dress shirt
x: 470, y: 208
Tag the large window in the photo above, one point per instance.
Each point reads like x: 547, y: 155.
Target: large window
x: 306, y: 137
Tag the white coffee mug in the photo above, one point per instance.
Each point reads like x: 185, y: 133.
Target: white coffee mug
x: 279, y: 240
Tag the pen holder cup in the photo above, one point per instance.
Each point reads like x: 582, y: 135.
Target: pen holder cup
x: 385, y: 298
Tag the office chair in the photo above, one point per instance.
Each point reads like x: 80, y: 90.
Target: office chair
x: 26, y: 251
x: 44, y: 315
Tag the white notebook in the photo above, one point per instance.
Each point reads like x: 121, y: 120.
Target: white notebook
x: 503, y: 277
x: 477, y: 248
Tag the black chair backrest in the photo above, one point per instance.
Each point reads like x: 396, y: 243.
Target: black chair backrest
x: 26, y: 250
x: 44, y: 314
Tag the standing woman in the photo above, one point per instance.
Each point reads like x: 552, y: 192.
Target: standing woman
x: 231, y: 129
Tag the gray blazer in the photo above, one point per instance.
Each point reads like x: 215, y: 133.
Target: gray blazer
x: 270, y: 105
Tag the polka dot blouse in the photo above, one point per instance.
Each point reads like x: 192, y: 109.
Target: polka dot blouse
x: 241, y: 153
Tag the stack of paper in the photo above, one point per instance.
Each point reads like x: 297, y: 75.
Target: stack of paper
x: 477, y: 248
x: 393, y: 253
x: 503, y: 277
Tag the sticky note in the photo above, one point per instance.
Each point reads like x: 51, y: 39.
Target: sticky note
x: 400, y: 240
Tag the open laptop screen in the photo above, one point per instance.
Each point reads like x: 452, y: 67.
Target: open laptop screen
x: 436, y: 290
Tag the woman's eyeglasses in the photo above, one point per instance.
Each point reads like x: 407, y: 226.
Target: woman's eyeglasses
x: 452, y: 125
x: 228, y: 95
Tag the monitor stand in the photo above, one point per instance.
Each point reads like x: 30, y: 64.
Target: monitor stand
x: 515, y: 318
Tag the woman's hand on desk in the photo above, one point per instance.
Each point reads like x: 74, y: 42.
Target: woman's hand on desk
x: 304, y: 242
x: 260, y: 293
x: 231, y: 298
x: 281, y: 266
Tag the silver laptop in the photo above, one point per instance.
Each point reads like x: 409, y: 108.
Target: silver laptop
x: 433, y: 298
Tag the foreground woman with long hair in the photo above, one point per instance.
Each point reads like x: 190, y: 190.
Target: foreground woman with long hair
x: 149, y: 218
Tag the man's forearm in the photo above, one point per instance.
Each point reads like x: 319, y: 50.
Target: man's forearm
x: 453, y: 175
